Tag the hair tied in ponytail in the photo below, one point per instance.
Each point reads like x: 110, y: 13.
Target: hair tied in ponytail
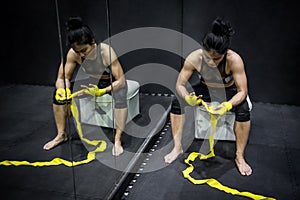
x: 222, y: 28
x: 74, y: 23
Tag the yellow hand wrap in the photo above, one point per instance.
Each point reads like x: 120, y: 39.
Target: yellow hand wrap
x: 222, y: 108
x: 95, y: 91
x: 62, y: 95
x: 192, y: 100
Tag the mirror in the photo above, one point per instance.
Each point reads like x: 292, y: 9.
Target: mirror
x: 98, y: 122
x: 83, y: 166
x: 91, y: 127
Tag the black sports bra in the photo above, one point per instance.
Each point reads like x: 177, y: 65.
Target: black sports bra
x: 214, y: 74
x: 95, y: 66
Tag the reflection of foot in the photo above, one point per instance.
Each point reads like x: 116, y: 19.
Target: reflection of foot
x: 173, y: 155
x: 55, y: 142
x: 243, y: 167
x: 117, y: 149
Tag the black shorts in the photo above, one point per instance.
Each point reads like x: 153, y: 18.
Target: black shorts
x: 242, y: 111
x: 119, y: 95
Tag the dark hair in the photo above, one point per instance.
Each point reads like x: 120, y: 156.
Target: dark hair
x: 219, y: 36
x: 78, y: 32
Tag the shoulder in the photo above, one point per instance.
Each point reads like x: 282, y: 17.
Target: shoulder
x: 195, y: 54
x: 108, y: 54
x: 103, y: 46
x: 233, y: 57
x: 72, y: 56
x: 234, y: 61
x: 195, y: 57
x: 107, y: 50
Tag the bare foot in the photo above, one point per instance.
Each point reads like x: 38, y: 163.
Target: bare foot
x: 56, y: 141
x: 173, y: 155
x: 117, y: 149
x: 243, y: 167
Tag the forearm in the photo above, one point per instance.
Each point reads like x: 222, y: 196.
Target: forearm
x: 60, y: 83
x: 181, y: 90
x: 117, y: 84
x: 238, y: 98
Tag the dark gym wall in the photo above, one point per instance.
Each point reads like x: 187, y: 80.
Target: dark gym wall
x: 131, y: 14
x: 266, y: 37
x: 30, y: 47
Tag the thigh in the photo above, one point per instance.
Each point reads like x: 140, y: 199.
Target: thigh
x: 242, y: 111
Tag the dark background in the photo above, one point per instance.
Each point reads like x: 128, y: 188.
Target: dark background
x: 267, y: 38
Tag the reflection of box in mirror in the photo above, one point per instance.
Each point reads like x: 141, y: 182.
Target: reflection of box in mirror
x: 100, y: 112
x: 224, y: 128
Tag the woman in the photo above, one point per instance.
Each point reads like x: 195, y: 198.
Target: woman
x: 95, y: 60
x: 221, y: 70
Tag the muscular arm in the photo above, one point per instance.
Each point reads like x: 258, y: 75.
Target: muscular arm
x: 190, y: 65
x: 109, y: 56
x: 69, y: 70
x: 238, y: 72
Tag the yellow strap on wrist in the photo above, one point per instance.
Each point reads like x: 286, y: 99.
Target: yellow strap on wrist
x: 69, y: 93
x: 222, y: 108
x: 227, y: 105
x: 100, y: 92
x: 95, y: 91
x: 192, y: 100
x: 63, y: 94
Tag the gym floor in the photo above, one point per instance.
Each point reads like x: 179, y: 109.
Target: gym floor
x: 139, y: 174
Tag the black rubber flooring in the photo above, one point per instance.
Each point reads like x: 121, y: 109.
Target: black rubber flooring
x: 27, y: 123
x: 272, y: 151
